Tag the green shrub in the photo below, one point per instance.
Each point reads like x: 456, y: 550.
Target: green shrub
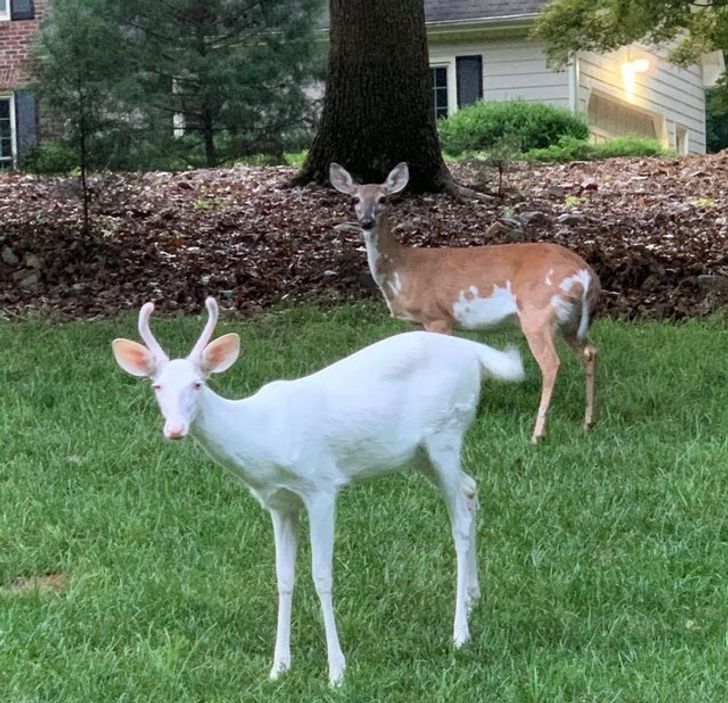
x: 630, y: 145
x: 259, y: 160
x: 51, y: 157
x: 296, y: 158
x: 159, y: 150
x: 569, y: 148
x: 483, y: 124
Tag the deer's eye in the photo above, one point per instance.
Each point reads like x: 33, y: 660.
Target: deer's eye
x: 197, y: 385
x: 356, y: 200
x: 156, y: 386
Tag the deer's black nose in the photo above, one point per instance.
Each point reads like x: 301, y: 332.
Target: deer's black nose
x: 367, y: 223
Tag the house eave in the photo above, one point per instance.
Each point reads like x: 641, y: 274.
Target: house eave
x: 458, y: 28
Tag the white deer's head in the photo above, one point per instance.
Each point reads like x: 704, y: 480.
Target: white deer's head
x: 369, y: 199
x: 177, y: 383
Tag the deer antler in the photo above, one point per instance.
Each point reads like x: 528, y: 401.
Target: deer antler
x: 207, y: 331
x: 146, y: 333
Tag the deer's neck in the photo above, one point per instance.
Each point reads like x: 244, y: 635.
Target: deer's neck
x: 384, y: 253
x: 233, y: 433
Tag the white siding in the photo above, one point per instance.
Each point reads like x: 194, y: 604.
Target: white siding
x: 515, y: 67
x: 674, y: 96
x: 512, y: 68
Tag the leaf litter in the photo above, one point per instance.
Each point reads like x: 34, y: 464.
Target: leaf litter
x: 654, y: 229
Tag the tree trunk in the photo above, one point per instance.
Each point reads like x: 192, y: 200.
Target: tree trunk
x: 208, y: 137
x: 378, y: 107
x: 83, y: 160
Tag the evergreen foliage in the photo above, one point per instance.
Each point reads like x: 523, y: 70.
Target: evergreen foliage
x: 77, y: 74
x: 229, y: 75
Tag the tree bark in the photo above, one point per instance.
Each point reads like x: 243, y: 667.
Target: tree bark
x: 83, y: 159
x: 378, y: 106
x: 208, y: 136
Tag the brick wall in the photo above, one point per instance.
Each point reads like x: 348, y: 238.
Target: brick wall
x: 14, y: 39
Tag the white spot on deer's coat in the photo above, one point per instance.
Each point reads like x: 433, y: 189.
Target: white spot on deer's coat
x: 581, y: 276
x: 373, y: 254
x: 565, y: 308
x: 396, y: 285
x: 547, y: 280
x: 473, y: 311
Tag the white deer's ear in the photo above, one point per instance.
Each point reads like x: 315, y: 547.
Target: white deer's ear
x: 341, y: 179
x: 133, y: 357
x: 221, y: 354
x: 397, y: 179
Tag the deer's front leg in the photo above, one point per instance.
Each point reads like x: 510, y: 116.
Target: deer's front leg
x: 321, y: 521
x: 285, y: 532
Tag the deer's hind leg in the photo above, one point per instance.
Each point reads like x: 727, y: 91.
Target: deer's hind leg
x: 443, y: 467
x: 538, y: 328
x: 587, y: 352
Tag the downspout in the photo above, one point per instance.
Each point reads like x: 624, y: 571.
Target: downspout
x: 13, y: 132
x: 573, y: 73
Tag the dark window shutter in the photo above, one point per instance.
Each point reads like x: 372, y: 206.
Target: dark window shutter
x: 26, y: 123
x: 469, y: 70
x: 22, y: 10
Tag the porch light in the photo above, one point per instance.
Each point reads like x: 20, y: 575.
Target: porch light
x: 630, y: 69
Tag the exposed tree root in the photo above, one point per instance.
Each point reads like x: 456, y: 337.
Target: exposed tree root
x: 463, y: 193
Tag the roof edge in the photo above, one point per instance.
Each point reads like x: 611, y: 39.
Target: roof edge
x: 521, y: 21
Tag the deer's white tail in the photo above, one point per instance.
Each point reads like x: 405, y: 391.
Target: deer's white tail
x: 584, y: 321
x: 503, y: 365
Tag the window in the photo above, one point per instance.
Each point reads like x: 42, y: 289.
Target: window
x: 4, y: 10
x: 439, y: 89
x: 6, y: 132
x: 609, y: 117
x: 456, y: 82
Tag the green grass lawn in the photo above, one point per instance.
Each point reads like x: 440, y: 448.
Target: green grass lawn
x: 603, y: 557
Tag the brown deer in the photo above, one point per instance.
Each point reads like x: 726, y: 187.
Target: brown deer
x: 545, y: 288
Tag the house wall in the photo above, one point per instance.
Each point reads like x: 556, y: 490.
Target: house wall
x: 15, y: 37
x: 674, y: 97
x: 668, y: 97
x: 512, y: 68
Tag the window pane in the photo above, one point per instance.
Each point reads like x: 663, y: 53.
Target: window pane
x: 438, y: 76
x: 6, y: 141
x: 3, y: 7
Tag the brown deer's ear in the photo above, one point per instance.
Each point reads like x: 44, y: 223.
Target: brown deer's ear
x: 341, y: 179
x: 397, y: 179
x: 221, y: 354
x: 133, y: 357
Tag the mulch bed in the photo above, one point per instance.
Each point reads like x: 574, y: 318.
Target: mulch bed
x: 655, y: 230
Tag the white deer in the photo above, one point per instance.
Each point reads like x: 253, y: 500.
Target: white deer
x: 404, y: 401
x: 545, y: 288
